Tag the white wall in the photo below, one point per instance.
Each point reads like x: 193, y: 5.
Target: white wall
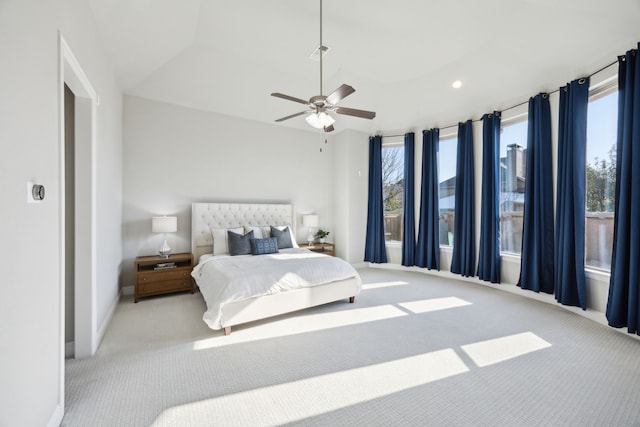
x: 174, y: 156
x: 351, y: 165
x: 30, y: 309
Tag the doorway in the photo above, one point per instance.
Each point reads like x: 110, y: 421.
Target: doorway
x: 69, y: 221
x: 81, y: 215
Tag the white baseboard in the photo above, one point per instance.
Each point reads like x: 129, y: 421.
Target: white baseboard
x: 105, y: 323
x: 56, y: 417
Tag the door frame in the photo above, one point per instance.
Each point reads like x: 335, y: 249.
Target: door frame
x: 85, y: 331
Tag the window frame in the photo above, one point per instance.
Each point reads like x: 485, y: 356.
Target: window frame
x: 453, y: 136
x: 509, y: 121
x: 394, y: 143
x: 596, y: 92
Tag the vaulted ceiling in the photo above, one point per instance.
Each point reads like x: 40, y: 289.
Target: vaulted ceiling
x: 401, y: 56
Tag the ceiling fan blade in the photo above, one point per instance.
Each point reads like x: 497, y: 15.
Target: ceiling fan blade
x: 291, y: 116
x: 356, y: 113
x: 340, y: 93
x: 290, y: 98
x: 329, y: 128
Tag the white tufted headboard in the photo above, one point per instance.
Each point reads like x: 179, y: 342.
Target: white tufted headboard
x: 205, y: 216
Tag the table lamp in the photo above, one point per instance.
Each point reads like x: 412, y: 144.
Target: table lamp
x: 164, y: 224
x: 310, y: 221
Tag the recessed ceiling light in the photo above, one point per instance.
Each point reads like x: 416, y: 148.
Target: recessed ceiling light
x: 457, y: 84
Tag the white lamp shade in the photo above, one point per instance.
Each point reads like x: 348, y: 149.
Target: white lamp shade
x: 164, y: 224
x: 310, y: 220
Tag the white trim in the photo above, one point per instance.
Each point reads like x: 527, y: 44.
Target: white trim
x: 510, y: 257
x: 607, y: 84
x: 107, y: 319
x: 515, y: 118
x: 452, y: 134
x: 61, y: 232
x: 395, y: 141
x: 56, y: 417
x: 599, y: 275
x: 70, y: 73
x: 85, y: 224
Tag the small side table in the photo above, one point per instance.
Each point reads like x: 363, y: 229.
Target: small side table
x: 156, y: 275
x: 325, y: 248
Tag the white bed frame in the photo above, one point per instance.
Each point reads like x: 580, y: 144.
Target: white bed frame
x: 205, y: 216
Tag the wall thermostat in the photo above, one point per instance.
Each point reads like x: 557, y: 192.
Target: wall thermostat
x: 37, y: 192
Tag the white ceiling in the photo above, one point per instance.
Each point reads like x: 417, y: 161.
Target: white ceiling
x: 401, y: 56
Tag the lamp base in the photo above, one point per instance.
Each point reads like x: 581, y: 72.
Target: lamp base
x: 164, y: 250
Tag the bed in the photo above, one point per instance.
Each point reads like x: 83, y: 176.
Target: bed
x: 244, y: 288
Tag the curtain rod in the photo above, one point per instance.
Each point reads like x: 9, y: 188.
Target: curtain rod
x: 513, y: 106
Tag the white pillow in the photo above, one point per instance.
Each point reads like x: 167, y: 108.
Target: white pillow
x: 259, y: 232
x: 221, y: 240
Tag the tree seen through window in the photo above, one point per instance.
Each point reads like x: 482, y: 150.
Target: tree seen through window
x: 393, y: 191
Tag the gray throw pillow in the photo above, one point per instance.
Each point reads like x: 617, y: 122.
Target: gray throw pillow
x: 239, y: 244
x: 283, y: 236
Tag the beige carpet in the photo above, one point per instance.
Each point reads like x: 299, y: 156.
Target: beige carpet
x: 414, y: 350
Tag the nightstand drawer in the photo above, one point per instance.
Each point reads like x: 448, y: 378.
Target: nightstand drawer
x: 152, y: 280
x: 157, y: 275
x: 164, y: 286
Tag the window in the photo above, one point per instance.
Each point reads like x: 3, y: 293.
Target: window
x: 447, y: 156
x: 513, y: 172
x: 393, y: 190
x: 602, y: 125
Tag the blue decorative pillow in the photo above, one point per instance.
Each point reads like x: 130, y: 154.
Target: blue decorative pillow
x: 239, y: 244
x: 264, y: 246
x: 283, y: 236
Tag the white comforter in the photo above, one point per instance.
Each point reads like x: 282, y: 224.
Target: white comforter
x: 224, y: 278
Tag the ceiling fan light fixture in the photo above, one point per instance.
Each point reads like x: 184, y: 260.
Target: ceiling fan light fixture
x: 319, y: 105
x: 320, y: 120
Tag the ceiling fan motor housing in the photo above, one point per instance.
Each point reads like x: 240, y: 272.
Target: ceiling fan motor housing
x: 319, y: 101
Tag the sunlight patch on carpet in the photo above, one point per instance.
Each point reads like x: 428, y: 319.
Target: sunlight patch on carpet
x: 485, y: 353
x: 291, y: 325
x: 382, y: 285
x: 297, y: 400
x: 433, y: 304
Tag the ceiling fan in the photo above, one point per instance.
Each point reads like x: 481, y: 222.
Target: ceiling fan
x: 319, y: 106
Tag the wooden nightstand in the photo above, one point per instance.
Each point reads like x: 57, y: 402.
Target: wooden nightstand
x: 325, y: 248
x: 156, y: 275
